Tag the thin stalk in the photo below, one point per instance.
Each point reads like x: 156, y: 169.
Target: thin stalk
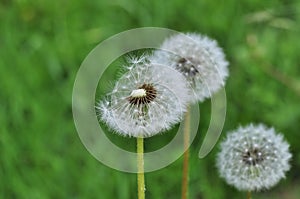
x: 185, y: 170
x: 140, y: 165
x: 249, y: 195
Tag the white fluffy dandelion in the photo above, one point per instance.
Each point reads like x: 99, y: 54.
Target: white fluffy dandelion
x: 253, y: 158
x: 199, y: 58
x: 146, y: 100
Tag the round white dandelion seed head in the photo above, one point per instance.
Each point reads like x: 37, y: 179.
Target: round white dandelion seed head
x: 148, y: 99
x: 199, y: 59
x: 253, y: 158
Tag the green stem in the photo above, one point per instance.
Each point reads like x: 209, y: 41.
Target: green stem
x: 186, y: 142
x: 249, y: 195
x: 140, y: 165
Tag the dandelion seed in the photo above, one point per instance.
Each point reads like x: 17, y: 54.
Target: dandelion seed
x: 148, y: 99
x: 253, y: 164
x: 199, y: 59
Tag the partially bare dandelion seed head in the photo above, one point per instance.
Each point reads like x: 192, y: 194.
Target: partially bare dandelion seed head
x: 148, y: 99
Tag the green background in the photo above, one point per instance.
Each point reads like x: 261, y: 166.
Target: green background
x: 42, y: 44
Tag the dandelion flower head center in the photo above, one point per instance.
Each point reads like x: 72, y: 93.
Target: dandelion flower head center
x: 143, y: 95
x: 253, y: 156
x: 138, y: 93
x: 186, y: 67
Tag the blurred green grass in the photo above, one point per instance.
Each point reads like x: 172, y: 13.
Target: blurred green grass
x: 42, y: 44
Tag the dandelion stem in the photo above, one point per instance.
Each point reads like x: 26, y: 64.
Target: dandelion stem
x: 186, y: 141
x: 249, y: 195
x: 140, y: 165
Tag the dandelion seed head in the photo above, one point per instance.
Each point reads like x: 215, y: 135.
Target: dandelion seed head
x: 148, y: 99
x: 199, y: 59
x: 253, y: 158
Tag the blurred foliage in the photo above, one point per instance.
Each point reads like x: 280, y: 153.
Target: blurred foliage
x: 42, y: 44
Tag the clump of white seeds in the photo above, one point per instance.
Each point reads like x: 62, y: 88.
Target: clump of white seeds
x: 148, y: 99
x: 199, y: 59
x: 253, y: 158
